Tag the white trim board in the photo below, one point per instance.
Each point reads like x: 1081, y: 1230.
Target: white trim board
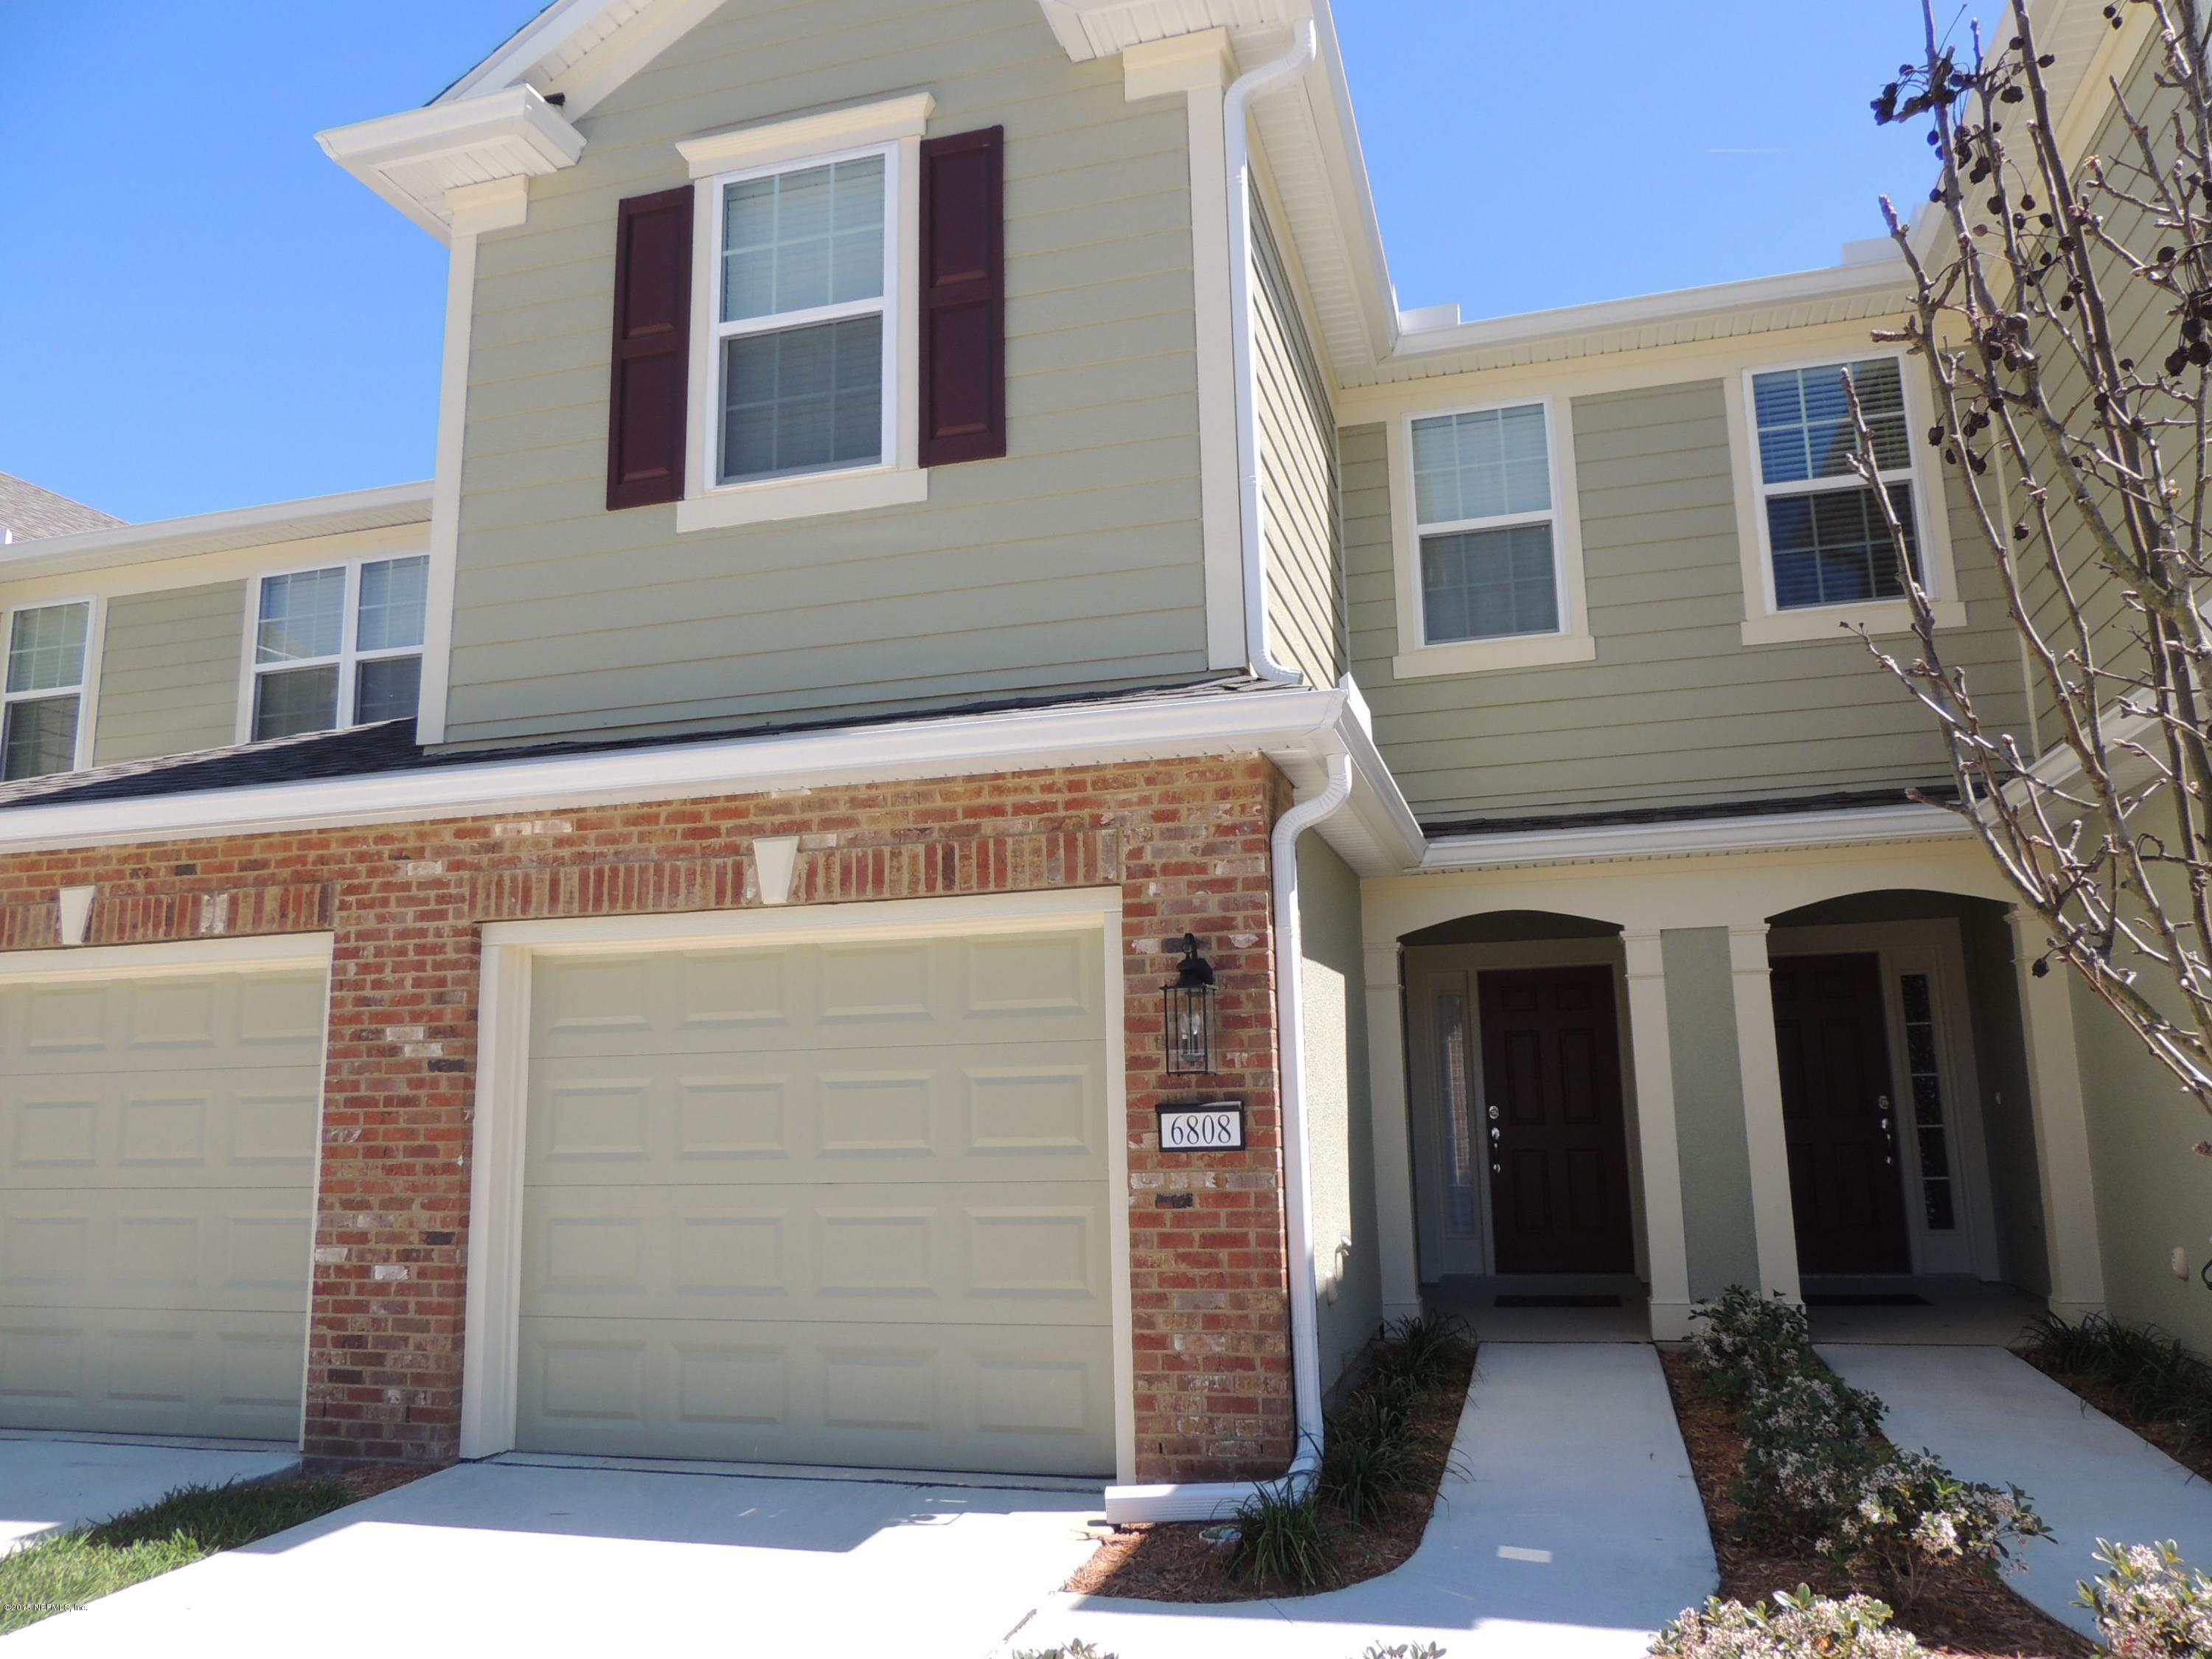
x: 192, y: 956
x: 492, y: 1343
x: 1297, y: 729
x: 1689, y: 837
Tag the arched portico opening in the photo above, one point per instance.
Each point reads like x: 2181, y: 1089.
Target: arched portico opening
x: 1907, y: 1086
x: 1526, y: 1149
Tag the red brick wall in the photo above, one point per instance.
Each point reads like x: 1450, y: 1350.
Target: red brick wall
x: 1186, y: 840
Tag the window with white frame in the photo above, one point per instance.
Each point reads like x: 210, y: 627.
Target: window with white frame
x: 339, y: 645
x: 42, y: 709
x: 806, y: 265
x: 1827, y: 542
x: 1487, y: 519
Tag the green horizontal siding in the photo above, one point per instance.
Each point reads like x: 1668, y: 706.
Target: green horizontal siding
x: 170, y: 672
x: 1075, y: 562
x: 1676, y: 710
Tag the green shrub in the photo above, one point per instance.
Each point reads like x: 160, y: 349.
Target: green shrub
x: 1414, y: 1355
x: 2155, y: 1378
x: 1749, y: 1340
x: 1405, y: 1651
x: 1807, y: 1450
x: 1077, y: 1648
x: 1913, y: 1516
x: 1799, y: 1627
x: 2148, y: 1603
x: 1281, y: 1539
x: 1369, y: 1460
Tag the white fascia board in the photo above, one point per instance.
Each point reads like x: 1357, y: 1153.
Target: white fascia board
x: 1783, y: 831
x: 1165, y: 728
x: 386, y: 506
x: 526, y: 48
x: 1880, y: 277
x: 413, y: 158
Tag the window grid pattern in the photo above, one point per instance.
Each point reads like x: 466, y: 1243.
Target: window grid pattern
x: 803, y: 322
x: 338, y: 646
x: 42, y: 704
x: 1488, y: 525
x: 1827, y: 537
x: 1925, y: 1072
x: 1459, y: 1121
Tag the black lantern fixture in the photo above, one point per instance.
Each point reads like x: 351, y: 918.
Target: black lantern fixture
x: 1186, y: 1013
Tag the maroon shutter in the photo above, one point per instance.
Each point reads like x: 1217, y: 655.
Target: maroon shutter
x: 652, y: 350
x: 964, y: 298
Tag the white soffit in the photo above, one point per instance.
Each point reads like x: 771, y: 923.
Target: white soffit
x: 412, y: 160
x: 1102, y: 28
x: 387, y: 508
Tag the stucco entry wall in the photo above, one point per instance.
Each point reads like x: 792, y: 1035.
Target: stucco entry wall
x: 1718, y: 1238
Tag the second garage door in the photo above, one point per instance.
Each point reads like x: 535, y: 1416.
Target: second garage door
x: 837, y: 1204
x: 157, y: 1167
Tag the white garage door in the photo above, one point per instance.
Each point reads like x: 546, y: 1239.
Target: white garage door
x: 839, y: 1204
x: 157, y: 1167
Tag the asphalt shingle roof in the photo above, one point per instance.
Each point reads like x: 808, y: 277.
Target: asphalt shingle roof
x: 389, y: 748
x: 29, y: 513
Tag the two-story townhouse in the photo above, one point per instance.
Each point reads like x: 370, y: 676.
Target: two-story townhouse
x: 934, y: 505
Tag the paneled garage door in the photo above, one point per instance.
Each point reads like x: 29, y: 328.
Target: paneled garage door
x: 157, y: 1167
x: 837, y: 1204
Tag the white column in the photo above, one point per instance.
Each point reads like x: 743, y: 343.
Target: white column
x: 1397, y: 1260
x: 1772, y: 1218
x: 1652, y: 1054
x: 2062, y: 1129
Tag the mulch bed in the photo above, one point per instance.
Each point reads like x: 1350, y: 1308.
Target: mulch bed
x: 1172, y: 1562
x: 2169, y: 1437
x: 1962, y: 1616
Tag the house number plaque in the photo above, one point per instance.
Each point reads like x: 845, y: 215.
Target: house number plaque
x: 1215, y: 1126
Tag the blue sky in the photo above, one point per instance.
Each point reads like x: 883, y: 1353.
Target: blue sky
x: 198, y: 311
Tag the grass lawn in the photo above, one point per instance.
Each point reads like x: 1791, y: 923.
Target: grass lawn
x: 57, y: 1571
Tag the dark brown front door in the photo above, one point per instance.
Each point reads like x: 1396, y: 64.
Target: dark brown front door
x: 1837, y: 1115
x: 1551, y: 1067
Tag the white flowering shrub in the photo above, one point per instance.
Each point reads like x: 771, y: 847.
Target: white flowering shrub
x: 1802, y: 1626
x: 1912, y: 1516
x: 1748, y: 1342
x: 2148, y: 1603
x: 1808, y: 1447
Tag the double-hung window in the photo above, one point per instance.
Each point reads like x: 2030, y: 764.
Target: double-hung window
x: 1827, y: 541
x: 336, y: 646
x: 804, y: 357
x: 1487, y: 514
x: 42, y: 709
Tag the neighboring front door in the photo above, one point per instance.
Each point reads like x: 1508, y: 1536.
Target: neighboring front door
x: 1557, y: 1147
x: 1837, y: 1115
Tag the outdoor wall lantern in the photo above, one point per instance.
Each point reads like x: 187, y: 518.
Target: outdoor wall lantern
x: 1187, y: 1012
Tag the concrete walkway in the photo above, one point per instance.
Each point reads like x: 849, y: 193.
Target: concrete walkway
x: 47, y: 1482
x: 1993, y: 1417
x: 501, y: 1558
x: 1573, y: 1531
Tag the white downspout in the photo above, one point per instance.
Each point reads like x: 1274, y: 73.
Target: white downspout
x: 1213, y: 1500
x: 1237, y: 147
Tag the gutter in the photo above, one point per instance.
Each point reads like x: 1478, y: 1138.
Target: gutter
x: 1238, y: 148
x: 1212, y: 1500
x: 1284, y: 722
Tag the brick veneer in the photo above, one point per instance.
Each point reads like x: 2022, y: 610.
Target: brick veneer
x: 1187, y: 841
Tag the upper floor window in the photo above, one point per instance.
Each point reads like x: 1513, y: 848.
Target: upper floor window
x: 1489, y: 524
x: 1827, y: 543
x: 336, y: 646
x: 806, y: 271
x: 41, y: 711
x: 1487, y: 540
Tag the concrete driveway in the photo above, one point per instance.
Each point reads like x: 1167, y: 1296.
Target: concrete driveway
x: 514, y: 1558
x: 47, y: 1482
